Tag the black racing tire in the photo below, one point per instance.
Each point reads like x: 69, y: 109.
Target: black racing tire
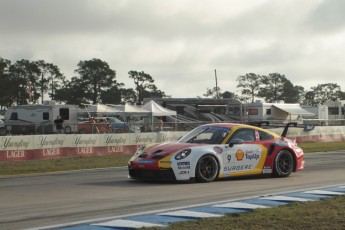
x: 207, y: 169
x: 68, y: 129
x: 284, y: 163
x: 82, y: 131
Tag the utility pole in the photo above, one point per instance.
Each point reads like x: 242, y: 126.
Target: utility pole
x: 215, y: 74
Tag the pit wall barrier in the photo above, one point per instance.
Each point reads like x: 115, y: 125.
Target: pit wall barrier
x: 36, y: 147
x: 318, y: 134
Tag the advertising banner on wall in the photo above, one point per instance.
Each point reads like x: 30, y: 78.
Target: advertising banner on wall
x: 34, y: 147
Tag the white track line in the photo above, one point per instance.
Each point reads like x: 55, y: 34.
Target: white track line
x: 286, y: 198
x: 127, y: 224
x: 323, y: 192
x: 186, y: 213
x: 240, y: 205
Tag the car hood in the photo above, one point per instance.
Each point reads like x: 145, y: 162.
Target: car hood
x: 160, y: 151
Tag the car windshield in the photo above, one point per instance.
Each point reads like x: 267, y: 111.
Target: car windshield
x: 206, y: 135
x: 114, y: 119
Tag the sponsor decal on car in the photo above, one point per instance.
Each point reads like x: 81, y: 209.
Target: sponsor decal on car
x: 267, y: 169
x: 243, y: 161
x: 237, y: 168
x: 228, y: 158
x: 143, y: 161
x: 252, y: 156
x: 183, y: 165
x: 218, y: 150
x: 239, y: 154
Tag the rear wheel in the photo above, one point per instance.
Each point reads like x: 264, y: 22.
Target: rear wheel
x: 284, y: 163
x: 206, y: 169
x: 3, y: 131
x: 68, y: 129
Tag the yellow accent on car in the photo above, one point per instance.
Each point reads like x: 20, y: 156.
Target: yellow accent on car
x: 258, y: 168
x: 165, y: 163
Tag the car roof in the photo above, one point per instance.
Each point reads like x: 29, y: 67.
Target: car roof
x: 233, y: 125
x: 229, y: 125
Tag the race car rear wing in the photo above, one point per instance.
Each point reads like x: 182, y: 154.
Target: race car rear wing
x: 286, y: 126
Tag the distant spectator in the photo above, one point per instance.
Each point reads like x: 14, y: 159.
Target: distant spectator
x: 160, y: 124
x: 148, y: 128
x: 58, y: 124
x: 175, y: 124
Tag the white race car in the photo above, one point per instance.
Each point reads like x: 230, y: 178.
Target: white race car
x: 217, y: 151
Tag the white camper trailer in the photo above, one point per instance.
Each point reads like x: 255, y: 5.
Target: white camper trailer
x: 278, y: 111
x: 39, y: 118
x: 336, y: 111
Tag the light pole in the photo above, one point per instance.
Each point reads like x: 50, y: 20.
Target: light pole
x: 19, y: 94
x: 52, y: 87
x: 215, y: 75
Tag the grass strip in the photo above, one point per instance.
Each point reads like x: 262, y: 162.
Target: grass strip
x: 328, y: 213
x: 62, y: 164
x: 309, y: 147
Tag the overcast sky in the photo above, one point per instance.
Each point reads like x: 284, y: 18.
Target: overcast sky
x: 181, y: 42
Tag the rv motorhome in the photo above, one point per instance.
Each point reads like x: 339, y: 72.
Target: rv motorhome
x: 336, y: 111
x: 39, y: 118
x: 277, y: 111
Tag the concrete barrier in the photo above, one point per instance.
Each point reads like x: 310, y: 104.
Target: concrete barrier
x: 17, y: 148
x: 318, y: 134
x: 32, y: 147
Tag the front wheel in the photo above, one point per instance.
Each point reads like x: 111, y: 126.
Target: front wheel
x: 284, y: 163
x: 206, y: 169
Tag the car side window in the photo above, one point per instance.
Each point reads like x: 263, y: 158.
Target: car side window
x: 245, y: 135
x: 265, y: 136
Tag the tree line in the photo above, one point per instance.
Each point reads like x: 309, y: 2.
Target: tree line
x: 94, y: 82
x: 27, y: 81
x: 276, y: 87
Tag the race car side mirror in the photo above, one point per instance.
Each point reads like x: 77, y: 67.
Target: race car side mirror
x: 235, y: 142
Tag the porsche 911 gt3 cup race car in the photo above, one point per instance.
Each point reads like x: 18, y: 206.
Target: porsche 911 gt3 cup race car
x: 218, y: 150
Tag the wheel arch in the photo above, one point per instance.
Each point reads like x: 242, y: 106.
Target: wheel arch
x: 293, y: 156
x: 213, y: 154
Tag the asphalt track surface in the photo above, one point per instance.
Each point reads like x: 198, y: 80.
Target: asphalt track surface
x: 51, y: 199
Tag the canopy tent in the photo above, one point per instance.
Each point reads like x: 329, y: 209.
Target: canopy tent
x: 130, y: 110
x: 157, y: 110
x: 100, y: 108
x: 293, y: 109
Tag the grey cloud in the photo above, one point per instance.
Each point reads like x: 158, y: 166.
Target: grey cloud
x: 172, y: 39
x: 327, y: 16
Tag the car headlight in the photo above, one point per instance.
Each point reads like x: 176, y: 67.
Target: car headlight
x: 182, y: 154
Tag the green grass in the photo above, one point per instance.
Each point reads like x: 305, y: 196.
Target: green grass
x: 328, y: 213
x: 64, y: 164
x: 321, y: 146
